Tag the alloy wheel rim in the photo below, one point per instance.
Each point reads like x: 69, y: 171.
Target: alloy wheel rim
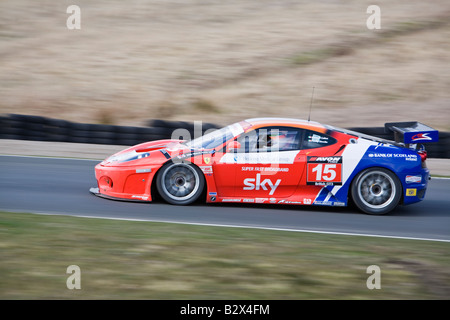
x: 376, y: 189
x: 180, y: 182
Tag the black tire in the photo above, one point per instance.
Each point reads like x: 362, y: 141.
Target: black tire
x: 126, y: 142
x: 376, y: 191
x: 155, y: 123
x: 180, y: 183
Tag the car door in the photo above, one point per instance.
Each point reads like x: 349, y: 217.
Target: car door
x: 267, y: 164
x: 323, y: 166
x: 224, y: 173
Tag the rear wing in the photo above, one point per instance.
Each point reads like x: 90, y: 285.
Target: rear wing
x: 412, y: 132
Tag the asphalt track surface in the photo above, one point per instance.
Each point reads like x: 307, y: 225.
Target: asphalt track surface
x: 61, y: 186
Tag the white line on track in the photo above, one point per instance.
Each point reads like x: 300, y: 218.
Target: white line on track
x: 239, y: 226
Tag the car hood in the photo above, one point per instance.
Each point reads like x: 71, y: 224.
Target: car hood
x: 129, y: 155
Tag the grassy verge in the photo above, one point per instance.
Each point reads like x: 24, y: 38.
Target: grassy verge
x: 145, y: 260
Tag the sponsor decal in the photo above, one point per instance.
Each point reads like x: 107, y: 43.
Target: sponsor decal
x: 325, y: 159
x: 380, y: 155
x: 139, y: 197
x: 289, y: 202
x: 413, y: 179
x: 407, y: 157
x: 143, y: 170
x: 324, y: 203
x: 213, y: 199
x: 231, y: 200
x: 265, y: 169
x: 213, y: 193
x: 248, y: 200
x: 415, y: 137
x: 330, y: 203
x: 207, y: 160
x: 411, y: 192
x: 275, y: 169
x: 410, y: 157
x: 324, y: 171
x: 257, y: 184
x: 206, y: 169
x: 318, y: 139
x: 307, y: 201
x: 421, y: 136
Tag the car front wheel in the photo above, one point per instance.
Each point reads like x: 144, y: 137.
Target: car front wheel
x: 180, y: 183
x: 376, y: 191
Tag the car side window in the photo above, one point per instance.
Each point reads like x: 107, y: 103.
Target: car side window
x: 313, y: 139
x: 271, y: 139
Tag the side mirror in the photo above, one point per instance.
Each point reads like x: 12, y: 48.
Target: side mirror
x: 233, y: 146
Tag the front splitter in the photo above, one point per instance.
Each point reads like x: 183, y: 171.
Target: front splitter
x: 96, y: 192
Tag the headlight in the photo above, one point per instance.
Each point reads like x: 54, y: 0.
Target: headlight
x: 127, y: 156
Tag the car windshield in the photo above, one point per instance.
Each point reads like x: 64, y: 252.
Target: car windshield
x: 216, y: 138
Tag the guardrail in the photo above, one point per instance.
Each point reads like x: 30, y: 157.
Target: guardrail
x: 37, y: 128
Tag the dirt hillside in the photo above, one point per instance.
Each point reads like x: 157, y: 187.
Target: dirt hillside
x: 222, y: 61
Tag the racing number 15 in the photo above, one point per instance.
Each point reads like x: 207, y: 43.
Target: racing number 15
x: 324, y: 172
x: 328, y: 169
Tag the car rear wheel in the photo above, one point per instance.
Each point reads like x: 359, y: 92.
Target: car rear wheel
x: 180, y: 183
x: 376, y: 191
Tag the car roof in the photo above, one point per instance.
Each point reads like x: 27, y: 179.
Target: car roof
x: 257, y: 122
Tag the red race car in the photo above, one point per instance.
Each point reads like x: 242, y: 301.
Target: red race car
x: 272, y: 160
